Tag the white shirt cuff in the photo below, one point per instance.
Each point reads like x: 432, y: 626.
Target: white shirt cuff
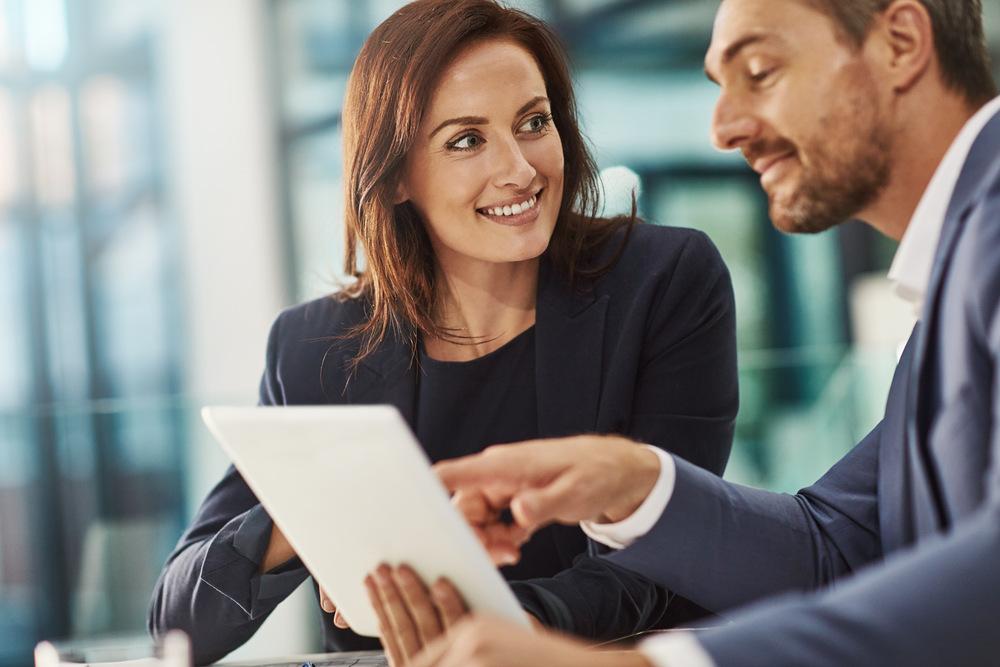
x: 623, y: 533
x: 674, y: 649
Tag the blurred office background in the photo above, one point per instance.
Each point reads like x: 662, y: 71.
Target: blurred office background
x: 170, y: 179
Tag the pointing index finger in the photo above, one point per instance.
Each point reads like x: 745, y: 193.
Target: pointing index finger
x: 504, y: 468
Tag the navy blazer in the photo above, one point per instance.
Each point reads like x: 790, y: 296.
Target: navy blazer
x: 648, y: 351
x: 916, y: 503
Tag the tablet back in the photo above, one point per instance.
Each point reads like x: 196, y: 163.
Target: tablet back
x: 350, y: 488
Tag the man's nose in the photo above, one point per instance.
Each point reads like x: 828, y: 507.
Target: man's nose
x: 732, y: 124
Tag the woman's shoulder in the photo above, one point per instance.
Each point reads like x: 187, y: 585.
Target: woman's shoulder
x: 325, y: 318
x: 307, y: 348
x: 652, y: 250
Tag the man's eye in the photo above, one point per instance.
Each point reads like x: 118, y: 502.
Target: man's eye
x: 761, y: 76
x: 467, y: 142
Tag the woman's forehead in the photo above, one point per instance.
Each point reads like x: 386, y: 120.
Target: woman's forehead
x: 482, y: 75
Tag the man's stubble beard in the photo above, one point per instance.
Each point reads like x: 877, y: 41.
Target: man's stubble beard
x: 849, y: 169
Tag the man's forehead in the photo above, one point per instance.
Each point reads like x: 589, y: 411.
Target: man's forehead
x: 741, y: 23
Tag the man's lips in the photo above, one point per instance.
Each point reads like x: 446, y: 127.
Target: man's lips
x: 762, y: 165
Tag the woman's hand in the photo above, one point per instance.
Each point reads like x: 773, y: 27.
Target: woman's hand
x: 480, y: 641
x: 410, y: 614
x: 327, y: 604
x: 278, y: 551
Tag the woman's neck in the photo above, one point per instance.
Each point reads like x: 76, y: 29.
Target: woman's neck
x: 486, y: 304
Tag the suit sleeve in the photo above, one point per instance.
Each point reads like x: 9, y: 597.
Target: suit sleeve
x: 935, y: 603
x: 210, y: 586
x: 685, y: 402
x: 722, y: 544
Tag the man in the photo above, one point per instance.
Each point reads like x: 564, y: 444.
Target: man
x: 876, y: 109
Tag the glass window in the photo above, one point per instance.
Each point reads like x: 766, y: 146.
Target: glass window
x: 90, y: 434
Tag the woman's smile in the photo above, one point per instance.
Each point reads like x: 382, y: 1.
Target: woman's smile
x: 521, y: 212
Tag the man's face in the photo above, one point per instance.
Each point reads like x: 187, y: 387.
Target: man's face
x: 802, y: 105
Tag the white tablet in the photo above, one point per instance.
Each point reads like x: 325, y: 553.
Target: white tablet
x: 350, y: 488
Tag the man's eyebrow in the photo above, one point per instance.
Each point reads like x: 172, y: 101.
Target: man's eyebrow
x: 734, y: 49
x: 479, y: 120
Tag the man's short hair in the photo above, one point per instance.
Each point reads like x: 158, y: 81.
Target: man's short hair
x: 959, y: 38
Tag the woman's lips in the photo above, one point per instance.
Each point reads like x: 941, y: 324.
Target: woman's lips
x: 518, y: 220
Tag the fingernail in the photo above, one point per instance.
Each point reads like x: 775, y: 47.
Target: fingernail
x: 327, y: 606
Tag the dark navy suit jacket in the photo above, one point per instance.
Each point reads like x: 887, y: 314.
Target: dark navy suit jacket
x: 913, y: 511
x: 648, y: 351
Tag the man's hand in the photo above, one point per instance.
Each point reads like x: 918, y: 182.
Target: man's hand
x: 568, y: 480
x: 486, y: 642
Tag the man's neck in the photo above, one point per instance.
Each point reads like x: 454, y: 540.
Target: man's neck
x: 919, y: 146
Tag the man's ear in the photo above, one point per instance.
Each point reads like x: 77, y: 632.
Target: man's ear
x: 906, y: 32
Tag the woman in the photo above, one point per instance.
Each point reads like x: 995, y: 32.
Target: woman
x: 493, y: 305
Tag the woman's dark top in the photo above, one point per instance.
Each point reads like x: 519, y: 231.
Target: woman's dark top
x: 648, y: 350
x: 465, y: 406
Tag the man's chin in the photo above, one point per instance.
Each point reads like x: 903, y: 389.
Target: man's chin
x: 783, y: 219
x: 799, y: 219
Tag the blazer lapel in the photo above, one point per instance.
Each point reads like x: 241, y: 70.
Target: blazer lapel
x: 920, y: 410
x: 387, y: 376
x: 569, y: 338
x: 895, y: 511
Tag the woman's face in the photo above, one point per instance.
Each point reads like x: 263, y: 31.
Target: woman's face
x: 486, y: 169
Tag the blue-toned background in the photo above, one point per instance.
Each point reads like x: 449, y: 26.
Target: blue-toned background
x: 170, y: 178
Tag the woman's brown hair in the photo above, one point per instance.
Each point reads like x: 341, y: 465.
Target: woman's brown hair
x: 389, y: 89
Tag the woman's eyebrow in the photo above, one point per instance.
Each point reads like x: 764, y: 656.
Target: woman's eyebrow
x: 479, y: 120
x: 463, y: 120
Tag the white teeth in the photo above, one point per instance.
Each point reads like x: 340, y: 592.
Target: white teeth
x: 513, y: 209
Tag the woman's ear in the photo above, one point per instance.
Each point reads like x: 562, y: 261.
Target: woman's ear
x: 401, y: 194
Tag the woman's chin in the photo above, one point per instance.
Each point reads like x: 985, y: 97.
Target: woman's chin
x: 527, y: 249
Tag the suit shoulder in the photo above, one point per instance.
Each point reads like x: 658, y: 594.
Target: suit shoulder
x: 983, y: 229
x: 328, y: 316
x: 306, y: 350
x: 655, y: 250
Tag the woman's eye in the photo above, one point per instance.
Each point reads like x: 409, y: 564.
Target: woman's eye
x: 467, y: 142
x: 537, y: 124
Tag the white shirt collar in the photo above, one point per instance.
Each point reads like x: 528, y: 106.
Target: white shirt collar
x: 911, y: 268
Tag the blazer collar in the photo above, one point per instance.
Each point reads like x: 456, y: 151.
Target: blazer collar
x: 569, y: 344
x: 386, y: 376
x: 978, y: 172
x: 569, y: 337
